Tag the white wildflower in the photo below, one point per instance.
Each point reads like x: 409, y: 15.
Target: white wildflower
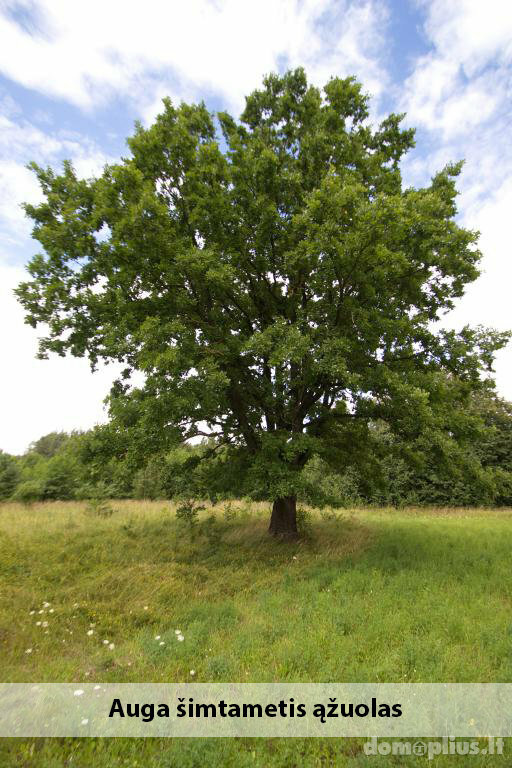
x: 38, y: 623
x: 85, y: 721
x: 90, y: 632
x: 180, y: 638
x: 78, y: 692
x: 157, y: 637
x: 44, y: 624
x: 106, y: 642
x: 161, y: 642
x: 97, y: 687
x: 46, y: 605
x: 111, y: 646
x: 32, y: 613
x: 145, y: 607
x: 29, y: 650
x: 192, y: 672
x: 51, y: 610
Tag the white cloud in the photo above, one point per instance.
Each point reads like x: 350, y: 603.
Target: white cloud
x: 460, y: 94
x: 40, y: 396
x: 465, y: 78
x: 88, y: 52
x: 487, y: 300
x: 437, y: 97
x: 471, y: 33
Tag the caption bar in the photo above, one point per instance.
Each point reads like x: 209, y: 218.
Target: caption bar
x: 256, y: 709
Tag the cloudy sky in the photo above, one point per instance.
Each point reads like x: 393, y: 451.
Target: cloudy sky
x: 74, y: 76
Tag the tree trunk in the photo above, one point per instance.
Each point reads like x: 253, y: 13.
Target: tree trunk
x: 283, y: 521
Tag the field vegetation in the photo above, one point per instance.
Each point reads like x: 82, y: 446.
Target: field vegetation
x: 413, y: 595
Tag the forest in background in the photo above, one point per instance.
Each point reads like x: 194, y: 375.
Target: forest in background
x: 114, y: 461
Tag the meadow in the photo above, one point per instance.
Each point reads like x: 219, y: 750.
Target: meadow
x: 365, y: 595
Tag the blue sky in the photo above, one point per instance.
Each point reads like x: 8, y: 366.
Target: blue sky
x: 74, y: 76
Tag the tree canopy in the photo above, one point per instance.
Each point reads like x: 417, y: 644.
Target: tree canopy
x: 272, y: 278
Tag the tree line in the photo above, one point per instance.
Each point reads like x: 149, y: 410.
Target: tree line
x: 110, y: 462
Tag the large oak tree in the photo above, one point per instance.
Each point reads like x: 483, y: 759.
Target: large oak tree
x: 271, y: 277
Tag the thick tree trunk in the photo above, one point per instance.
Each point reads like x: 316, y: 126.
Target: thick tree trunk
x: 283, y: 521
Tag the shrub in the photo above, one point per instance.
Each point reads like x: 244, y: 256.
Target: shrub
x: 211, y: 529
x: 28, y: 492
x: 148, y: 482
x: 304, y: 527
x: 99, y: 508
x: 9, y: 475
x: 188, y: 512
x: 325, y: 487
x: 60, y: 479
x: 229, y: 512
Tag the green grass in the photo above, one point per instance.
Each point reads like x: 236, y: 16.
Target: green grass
x: 370, y: 595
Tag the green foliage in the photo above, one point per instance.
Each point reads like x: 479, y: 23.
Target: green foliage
x: 150, y: 479
x: 211, y: 529
x: 60, y: 476
x: 432, y: 468
x: 327, y: 487
x: 99, y: 508
x: 275, y: 283
x: 9, y: 475
x: 51, y: 444
x: 28, y: 492
x: 304, y: 520
x: 400, y: 596
x: 230, y: 513
x: 494, y: 448
x: 188, y: 513
x: 377, y: 466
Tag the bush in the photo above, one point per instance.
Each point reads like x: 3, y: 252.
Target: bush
x: 99, y: 508
x: 229, y: 512
x: 60, y: 478
x: 28, y: 492
x: 325, y: 487
x: 9, y: 475
x: 148, y: 482
x: 188, y: 512
x: 211, y: 529
x: 304, y: 527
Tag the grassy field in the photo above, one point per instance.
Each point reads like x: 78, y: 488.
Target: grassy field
x: 367, y: 595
